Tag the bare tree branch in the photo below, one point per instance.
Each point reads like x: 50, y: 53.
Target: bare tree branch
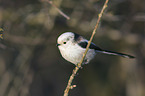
x: 62, y: 13
x: 70, y: 86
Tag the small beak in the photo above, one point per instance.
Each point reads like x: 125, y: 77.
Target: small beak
x: 58, y: 44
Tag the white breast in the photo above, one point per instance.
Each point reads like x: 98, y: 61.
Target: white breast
x: 73, y: 53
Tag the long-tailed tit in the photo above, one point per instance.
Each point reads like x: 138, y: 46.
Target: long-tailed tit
x: 72, y: 46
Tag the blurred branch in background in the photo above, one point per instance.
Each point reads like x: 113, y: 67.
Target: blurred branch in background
x: 62, y: 13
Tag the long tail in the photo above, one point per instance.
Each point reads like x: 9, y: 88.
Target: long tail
x: 115, y: 53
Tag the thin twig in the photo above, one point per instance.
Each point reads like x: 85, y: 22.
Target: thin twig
x: 62, y: 13
x: 69, y: 86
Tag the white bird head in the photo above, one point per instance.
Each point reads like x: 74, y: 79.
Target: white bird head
x: 65, y: 39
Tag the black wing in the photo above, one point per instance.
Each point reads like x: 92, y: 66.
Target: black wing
x: 76, y: 37
x: 92, y: 46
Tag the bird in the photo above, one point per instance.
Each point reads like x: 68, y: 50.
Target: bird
x: 72, y: 47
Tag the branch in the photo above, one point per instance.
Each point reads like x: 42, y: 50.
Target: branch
x: 62, y: 13
x: 69, y: 86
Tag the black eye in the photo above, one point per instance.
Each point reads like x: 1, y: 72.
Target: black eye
x: 64, y: 42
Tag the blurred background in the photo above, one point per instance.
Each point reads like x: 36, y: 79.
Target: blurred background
x: 30, y: 62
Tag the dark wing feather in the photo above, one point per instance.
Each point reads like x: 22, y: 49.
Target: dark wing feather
x: 76, y: 36
x: 92, y: 46
x: 83, y: 44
